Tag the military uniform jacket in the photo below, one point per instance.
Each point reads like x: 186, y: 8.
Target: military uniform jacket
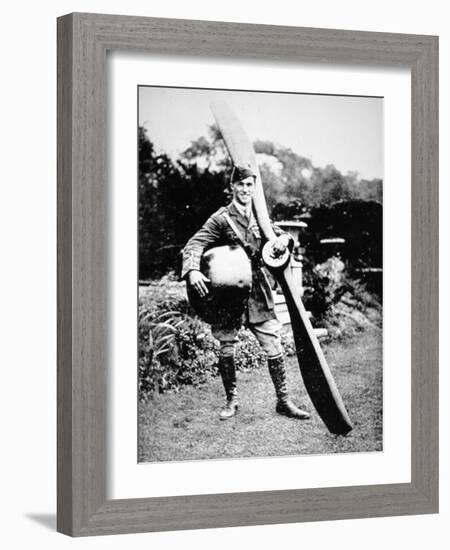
x: 217, y: 232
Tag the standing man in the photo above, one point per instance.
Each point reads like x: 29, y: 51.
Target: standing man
x: 231, y: 225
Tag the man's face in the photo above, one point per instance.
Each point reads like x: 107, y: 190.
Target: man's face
x: 243, y: 190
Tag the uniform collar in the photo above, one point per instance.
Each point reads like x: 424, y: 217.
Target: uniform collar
x: 245, y: 212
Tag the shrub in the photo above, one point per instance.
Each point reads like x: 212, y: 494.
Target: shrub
x: 156, y: 341
x: 324, y: 285
x: 249, y: 354
x: 195, y: 356
x: 176, y: 348
x: 342, y: 304
x: 356, y: 310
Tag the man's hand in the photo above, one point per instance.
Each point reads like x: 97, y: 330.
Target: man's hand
x: 198, y: 281
x: 281, y: 243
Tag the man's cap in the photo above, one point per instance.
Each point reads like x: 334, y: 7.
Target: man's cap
x: 241, y: 172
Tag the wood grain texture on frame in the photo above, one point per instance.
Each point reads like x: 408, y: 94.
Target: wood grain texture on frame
x: 83, y: 40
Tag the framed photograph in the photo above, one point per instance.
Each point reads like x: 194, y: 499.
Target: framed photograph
x: 206, y: 380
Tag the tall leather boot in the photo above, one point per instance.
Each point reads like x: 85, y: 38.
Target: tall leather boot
x: 284, y: 406
x: 228, y: 373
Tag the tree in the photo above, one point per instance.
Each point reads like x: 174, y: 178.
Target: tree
x: 208, y: 152
x: 371, y: 190
x: 334, y: 186
x: 292, y: 179
x: 156, y: 171
x: 359, y: 223
x: 175, y: 198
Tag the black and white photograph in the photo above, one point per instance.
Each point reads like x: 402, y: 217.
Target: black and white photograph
x: 260, y: 251
x: 221, y: 285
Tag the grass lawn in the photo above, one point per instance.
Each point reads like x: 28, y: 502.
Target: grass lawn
x: 186, y: 426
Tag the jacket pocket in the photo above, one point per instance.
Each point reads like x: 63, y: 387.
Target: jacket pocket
x: 256, y: 231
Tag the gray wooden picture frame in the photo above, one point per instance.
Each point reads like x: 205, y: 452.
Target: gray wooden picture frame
x: 83, y: 41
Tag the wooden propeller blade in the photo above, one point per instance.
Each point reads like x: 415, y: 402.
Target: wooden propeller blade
x: 319, y: 381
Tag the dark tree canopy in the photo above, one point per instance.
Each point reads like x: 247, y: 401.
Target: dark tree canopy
x: 176, y: 197
x: 174, y: 200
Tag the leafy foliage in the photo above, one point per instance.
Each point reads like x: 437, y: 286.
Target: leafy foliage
x: 342, y: 304
x: 289, y: 177
x: 176, y: 348
x: 176, y: 197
